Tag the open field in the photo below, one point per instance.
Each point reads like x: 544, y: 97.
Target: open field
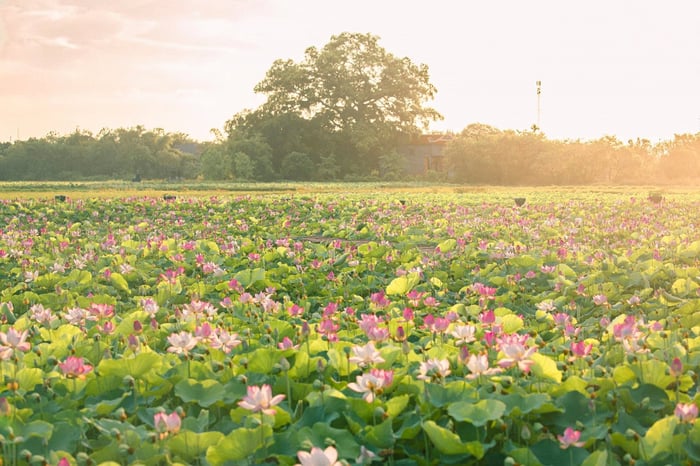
x: 375, y: 323
x: 113, y: 189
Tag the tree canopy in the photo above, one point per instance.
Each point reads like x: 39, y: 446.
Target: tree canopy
x: 351, y: 98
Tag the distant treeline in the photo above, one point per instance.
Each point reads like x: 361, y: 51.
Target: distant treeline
x: 480, y: 154
x: 131, y: 153
x: 483, y: 154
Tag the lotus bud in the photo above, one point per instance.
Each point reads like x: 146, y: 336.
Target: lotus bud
x: 284, y: 364
x: 525, y: 433
x: 676, y: 368
x: 129, y: 381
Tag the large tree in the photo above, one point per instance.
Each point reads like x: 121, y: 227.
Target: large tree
x: 363, y: 97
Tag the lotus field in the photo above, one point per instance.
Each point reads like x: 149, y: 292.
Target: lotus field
x: 351, y: 328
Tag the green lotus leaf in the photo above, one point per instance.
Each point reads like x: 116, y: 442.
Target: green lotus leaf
x: 263, y: 360
x: 659, y: 437
x: 511, y: 323
x: 119, y: 282
x: 518, y: 404
x: 396, y: 405
x: 141, y: 366
x: 239, y: 444
x: 41, y: 429
x: 190, y: 445
x: 29, y: 377
x: 404, y: 284
x: 447, y: 245
x: 380, y: 435
x: 525, y: 456
x: 249, y: 277
x: 479, y: 413
x: 322, y: 434
x: 449, y: 443
x: 545, y: 367
x: 205, y: 393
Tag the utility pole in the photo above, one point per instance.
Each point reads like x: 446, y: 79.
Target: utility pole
x: 539, y: 91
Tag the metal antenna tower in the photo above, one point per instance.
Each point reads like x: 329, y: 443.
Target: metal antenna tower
x: 539, y: 91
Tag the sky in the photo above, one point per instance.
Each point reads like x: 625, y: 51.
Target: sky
x: 624, y: 68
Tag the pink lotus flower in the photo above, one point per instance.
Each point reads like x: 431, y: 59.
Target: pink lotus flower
x: 379, y: 299
x: 368, y: 322
x: 13, y: 341
x: 478, y: 365
x: 42, y: 315
x: 181, y: 343
x: 167, y: 423
x: 98, y: 311
x: 328, y: 328
x: 149, y: 305
x: 570, y: 438
x: 600, y: 300
x: 378, y: 334
x: 676, y: 368
x: 204, y: 332
x: 562, y: 319
x: 295, y: 310
x: 434, y: 369
x: 686, y: 412
x: 430, y: 302
x: 74, y: 368
x: 286, y: 344
x: 414, y: 297
x: 464, y: 334
x: 224, y: 341
x: 260, y: 399
x: 318, y: 457
x: 516, y: 352
x: 365, y: 355
x: 487, y: 317
x: 580, y: 349
x: 546, y: 306
x: 371, y: 383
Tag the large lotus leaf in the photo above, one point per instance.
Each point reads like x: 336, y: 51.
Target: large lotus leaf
x: 205, y: 393
x: 550, y: 453
x: 248, y: 277
x: 319, y: 434
x: 41, y: 429
x: 479, y: 413
x: 396, y: 405
x: 597, y: 458
x: 238, y: 445
x: 659, y: 437
x: 518, y: 404
x: 404, y: 284
x: 190, y: 445
x: 525, y: 456
x: 141, y: 366
x: 446, y: 245
x: 29, y: 377
x: 380, y: 435
x: 449, y: 443
x: 511, y: 323
x: 545, y: 367
x: 653, y: 371
x: 263, y: 360
x: 439, y: 396
x: 119, y: 282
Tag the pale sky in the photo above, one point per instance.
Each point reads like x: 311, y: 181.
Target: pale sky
x: 608, y: 67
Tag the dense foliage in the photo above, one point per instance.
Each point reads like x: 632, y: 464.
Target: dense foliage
x: 483, y: 154
x: 351, y: 100
x: 415, y: 330
x: 125, y: 153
